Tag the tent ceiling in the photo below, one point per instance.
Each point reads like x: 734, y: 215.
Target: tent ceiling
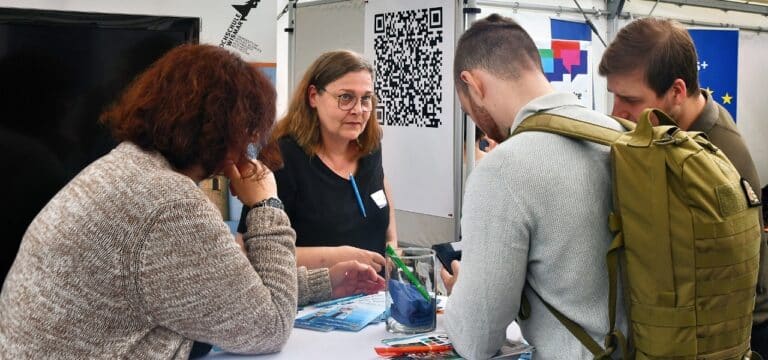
x: 748, y: 6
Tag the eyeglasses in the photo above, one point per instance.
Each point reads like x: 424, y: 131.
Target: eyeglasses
x: 348, y: 101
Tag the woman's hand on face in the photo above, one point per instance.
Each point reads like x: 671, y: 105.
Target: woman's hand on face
x: 373, y: 259
x: 351, y: 277
x: 250, y: 181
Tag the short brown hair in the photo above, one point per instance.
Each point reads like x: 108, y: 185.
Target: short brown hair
x: 194, y: 105
x: 301, y: 121
x: 662, y: 48
x: 498, y: 45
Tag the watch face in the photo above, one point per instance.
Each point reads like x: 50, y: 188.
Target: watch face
x: 271, y: 202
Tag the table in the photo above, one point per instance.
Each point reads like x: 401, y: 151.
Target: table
x: 309, y: 344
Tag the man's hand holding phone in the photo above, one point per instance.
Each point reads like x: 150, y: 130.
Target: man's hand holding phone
x: 448, y: 279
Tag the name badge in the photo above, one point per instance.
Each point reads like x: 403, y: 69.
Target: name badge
x: 379, y: 198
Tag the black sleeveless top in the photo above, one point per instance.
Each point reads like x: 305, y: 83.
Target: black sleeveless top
x: 322, y: 205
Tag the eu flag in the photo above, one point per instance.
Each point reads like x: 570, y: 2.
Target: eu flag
x: 718, y: 51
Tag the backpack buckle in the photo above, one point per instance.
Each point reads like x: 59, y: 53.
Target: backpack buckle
x: 709, y: 146
x: 666, y: 140
x: 674, y: 136
x: 615, y: 339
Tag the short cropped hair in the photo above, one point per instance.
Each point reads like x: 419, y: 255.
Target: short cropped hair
x: 498, y: 45
x: 662, y: 48
x: 301, y: 121
x: 194, y: 105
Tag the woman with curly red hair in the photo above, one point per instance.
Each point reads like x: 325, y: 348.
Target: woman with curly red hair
x: 131, y: 260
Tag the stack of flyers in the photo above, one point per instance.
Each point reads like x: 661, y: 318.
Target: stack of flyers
x: 350, y: 314
x: 439, y: 346
x: 424, y: 346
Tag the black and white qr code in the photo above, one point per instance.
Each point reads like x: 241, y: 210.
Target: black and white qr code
x: 409, y: 65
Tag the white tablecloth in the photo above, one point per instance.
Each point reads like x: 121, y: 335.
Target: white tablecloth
x: 309, y: 344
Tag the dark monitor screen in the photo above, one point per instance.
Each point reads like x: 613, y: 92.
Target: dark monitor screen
x: 58, y: 72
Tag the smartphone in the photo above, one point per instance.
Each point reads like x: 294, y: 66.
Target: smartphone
x: 446, y: 253
x: 484, y: 144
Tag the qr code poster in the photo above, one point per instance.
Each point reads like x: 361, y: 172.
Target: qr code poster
x: 411, y: 45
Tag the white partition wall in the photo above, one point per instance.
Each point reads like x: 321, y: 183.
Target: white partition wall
x: 752, y: 107
x: 323, y: 26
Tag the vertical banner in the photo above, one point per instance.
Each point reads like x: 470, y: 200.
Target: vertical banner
x: 718, y: 51
x: 411, y: 45
x: 250, y: 30
x: 565, y: 48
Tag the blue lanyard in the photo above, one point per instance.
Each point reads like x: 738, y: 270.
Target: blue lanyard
x: 357, y: 194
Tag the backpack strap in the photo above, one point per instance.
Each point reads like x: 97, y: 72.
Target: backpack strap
x: 665, y: 120
x: 566, y: 126
x: 577, y: 129
x: 627, y: 124
x: 615, y: 336
x: 581, y: 334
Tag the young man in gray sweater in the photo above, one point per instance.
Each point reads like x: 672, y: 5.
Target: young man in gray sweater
x: 535, y: 208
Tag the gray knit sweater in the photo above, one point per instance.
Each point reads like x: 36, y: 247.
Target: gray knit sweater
x: 535, y: 215
x: 131, y: 260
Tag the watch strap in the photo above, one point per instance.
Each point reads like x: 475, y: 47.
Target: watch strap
x: 269, y: 202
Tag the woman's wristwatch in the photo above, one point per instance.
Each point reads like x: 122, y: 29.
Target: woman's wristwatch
x: 270, y: 202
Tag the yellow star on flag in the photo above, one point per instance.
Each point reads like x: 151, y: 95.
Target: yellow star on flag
x: 710, y: 91
x: 727, y: 98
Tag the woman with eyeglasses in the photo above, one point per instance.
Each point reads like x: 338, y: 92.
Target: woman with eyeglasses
x: 332, y: 183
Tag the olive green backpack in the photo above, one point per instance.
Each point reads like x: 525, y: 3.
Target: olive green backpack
x: 687, y: 239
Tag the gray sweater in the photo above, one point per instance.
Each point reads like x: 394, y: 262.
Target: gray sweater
x: 131, y: 260
x: 535, y: 211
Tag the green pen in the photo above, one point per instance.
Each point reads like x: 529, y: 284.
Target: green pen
x: 414, y: 280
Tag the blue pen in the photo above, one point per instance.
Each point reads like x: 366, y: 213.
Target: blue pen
x: 357, y: 194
